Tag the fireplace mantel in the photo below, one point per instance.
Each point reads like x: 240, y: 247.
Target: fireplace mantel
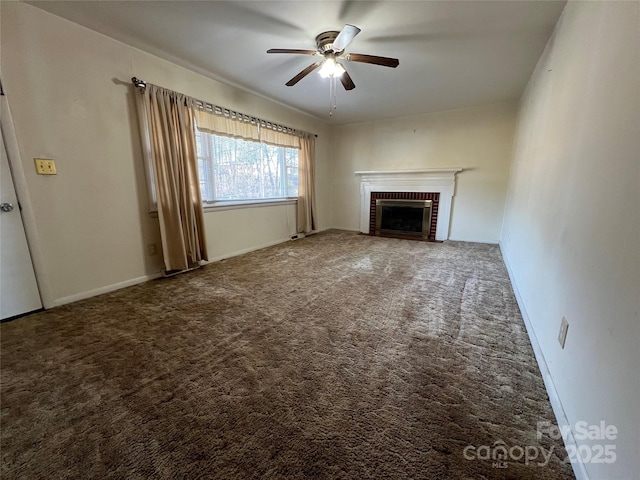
x: 435, y: 180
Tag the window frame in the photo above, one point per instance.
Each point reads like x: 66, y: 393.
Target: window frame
x: 230, y: 204
x: 221, y: 205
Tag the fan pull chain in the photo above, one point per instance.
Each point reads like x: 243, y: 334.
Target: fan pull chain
x: 331, y: 85
x: 332, y: 94
x: 335, y: 91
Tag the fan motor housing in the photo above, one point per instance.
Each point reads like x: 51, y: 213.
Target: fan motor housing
x: 325, y: 40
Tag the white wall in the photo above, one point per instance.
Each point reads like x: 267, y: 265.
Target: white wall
x: 71, y: 99
x: 477, y: 139
x: 571, y: 233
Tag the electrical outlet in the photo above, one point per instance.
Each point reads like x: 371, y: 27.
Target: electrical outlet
x: 562, y: 336
x: 152, y: 249
x: 45, y: 166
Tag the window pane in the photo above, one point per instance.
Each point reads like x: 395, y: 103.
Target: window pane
x: 235, y: 169
x: 291, y: 156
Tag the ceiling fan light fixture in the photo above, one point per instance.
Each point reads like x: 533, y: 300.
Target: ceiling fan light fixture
x: 331, y: 45
x: 331, y: 68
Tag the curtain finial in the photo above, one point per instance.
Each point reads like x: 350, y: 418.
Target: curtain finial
x: 138, y: 83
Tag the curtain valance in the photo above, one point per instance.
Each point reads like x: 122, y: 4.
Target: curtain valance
x: 247, y: 128
x: 211, y: 122
x: 277, y: 135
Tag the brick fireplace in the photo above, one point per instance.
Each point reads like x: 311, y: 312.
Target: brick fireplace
x: 435, y: 201
x: 437, y: 185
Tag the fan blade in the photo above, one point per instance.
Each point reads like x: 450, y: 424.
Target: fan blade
x: 384, y: 61
x: 345, y: 37
x: 289, y: 50
x: 347, y: 83
x: 303, y: 74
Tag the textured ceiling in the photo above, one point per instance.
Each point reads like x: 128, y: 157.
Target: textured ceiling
x: 453, y: 54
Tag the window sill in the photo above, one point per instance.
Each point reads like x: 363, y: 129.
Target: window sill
x: 234, y: 204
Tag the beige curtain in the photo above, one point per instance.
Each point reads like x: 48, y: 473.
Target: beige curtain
x: 221, y: 125
x: 175, y: 170
x: 281, y: 139
x: 307, y: 211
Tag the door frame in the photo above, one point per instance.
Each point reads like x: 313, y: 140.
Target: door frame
x: 22, y: 192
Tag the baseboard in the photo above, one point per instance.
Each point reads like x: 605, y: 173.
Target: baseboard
x: 346, y: 229
x: 146, y: 278
x: 106, y: 289
x: 474, y: 240
x: 235, y: 253
x: 470, y: 240
x: 556, y: 404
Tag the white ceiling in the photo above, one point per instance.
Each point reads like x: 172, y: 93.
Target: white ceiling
x: 453, y: 54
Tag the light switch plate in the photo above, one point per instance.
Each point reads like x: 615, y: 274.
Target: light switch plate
x: 45, y: 166
x: 562, y: 335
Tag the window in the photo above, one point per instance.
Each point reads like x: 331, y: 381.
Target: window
x: 235, y: 169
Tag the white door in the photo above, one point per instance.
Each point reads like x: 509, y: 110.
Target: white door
x: 18, y: 288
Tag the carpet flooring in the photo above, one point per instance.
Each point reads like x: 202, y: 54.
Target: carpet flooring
x: 339, y: 356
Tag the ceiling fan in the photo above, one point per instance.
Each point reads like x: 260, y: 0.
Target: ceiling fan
x: 331, y: 45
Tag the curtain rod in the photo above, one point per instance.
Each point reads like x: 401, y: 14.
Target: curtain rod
x: 216, y: 109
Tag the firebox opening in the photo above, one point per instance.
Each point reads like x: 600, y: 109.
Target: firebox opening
x: 403, y: 217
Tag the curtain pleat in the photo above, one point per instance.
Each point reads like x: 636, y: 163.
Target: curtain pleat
x: 221, y: 125
x: 307, y: 211
x: 175, y: 161
x: 280, y: 139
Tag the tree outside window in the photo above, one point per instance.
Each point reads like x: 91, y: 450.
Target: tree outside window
x: 236, y: 169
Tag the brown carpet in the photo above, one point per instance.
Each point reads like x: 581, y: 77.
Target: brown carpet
x: 336, y: 356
